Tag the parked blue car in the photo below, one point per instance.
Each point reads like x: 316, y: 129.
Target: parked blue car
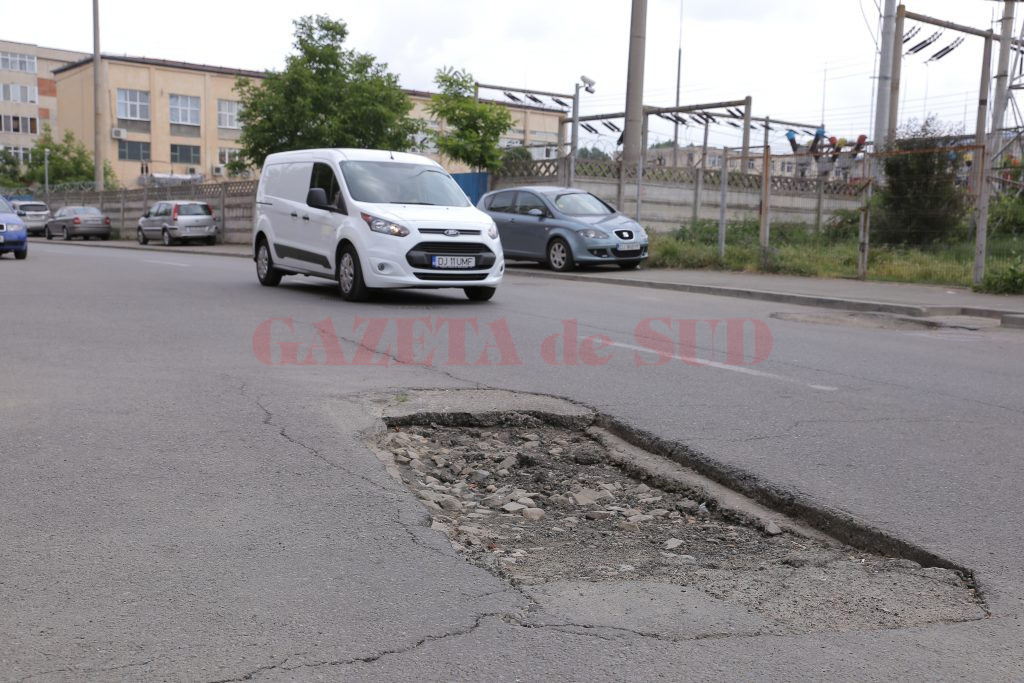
x: 563, y: 227
x: 13, y: 233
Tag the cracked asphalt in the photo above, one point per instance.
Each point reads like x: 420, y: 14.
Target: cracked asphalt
x: 174, y: 509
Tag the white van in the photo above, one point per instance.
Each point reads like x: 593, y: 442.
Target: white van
x: 371, y: 219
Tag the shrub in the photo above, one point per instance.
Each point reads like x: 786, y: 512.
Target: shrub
x: 1006, y: 216
x: 1006, y: 280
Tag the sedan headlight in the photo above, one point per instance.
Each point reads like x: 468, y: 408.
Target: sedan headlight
x: 492, y: 231
x: 592, y: 234
x: 385, y: 227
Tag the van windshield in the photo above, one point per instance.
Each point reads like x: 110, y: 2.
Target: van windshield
x: 390, y: 182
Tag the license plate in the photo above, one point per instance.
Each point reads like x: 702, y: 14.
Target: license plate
x: 629, y: 246
x: 1, y: 239
x: 454, y: 261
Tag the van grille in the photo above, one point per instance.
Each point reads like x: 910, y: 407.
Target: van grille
x: 458, y: 277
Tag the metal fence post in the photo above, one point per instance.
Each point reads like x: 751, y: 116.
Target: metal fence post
x: 698, y: 185
x: 723, y: 183
x: 864, y: 229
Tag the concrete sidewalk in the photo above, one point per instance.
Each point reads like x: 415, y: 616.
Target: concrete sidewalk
x: 899, y: 298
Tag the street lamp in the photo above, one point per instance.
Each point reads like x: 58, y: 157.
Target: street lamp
x: 46, y: 172
x: 588, y: 85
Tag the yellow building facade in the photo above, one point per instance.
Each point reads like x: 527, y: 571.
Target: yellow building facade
x: 179, y: 121
x: 28, y: 93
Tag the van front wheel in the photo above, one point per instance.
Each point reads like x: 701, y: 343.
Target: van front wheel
x: 350, y: 276
x: 479, y: 293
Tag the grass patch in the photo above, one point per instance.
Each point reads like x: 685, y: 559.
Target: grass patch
x: 798, y: 250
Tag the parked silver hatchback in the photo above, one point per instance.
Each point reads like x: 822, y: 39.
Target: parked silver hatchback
x: 178, y: 221
x: 33, y: 214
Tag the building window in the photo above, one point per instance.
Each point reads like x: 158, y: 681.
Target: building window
x: 128, y: 150
x: 185, y: 109
x: 14, y: 61
x: 227, y: 113
x: 22, y: 154
x: 133, y: 104
x: 225, y: 155
x: 184, y: 154
x: 13, y: 92
x: 19, y: 124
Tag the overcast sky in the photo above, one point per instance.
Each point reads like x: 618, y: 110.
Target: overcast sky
x: 794, y: 57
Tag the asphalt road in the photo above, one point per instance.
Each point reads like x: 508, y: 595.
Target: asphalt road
x: 178, y: 504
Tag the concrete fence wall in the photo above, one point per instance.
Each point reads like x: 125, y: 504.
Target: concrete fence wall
x: 232, y: 203
x: 667, y: 195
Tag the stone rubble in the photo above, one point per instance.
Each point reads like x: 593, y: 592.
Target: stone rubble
x: 546, y: 505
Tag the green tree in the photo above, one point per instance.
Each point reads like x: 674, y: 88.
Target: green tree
x: 473, y: 128
x: 70, y: 162
x: 921, y: 202
x: 10, y: 169
x: 593, y: 153
x: 327, y: 96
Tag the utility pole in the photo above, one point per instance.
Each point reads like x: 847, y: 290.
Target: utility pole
x: 679, y: 77
x: 994, y: 141
x: 884, y: 85
x: 633, y: 135
x: 97, y: 96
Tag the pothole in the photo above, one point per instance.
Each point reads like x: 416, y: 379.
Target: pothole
x: 552, y: 510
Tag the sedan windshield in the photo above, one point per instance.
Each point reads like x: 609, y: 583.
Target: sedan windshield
x: 388, y: 182
x: 581, y: 204
x: 86, y: 211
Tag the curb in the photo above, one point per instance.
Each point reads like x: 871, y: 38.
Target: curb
x: 133, y: 246
x: 861, y: 305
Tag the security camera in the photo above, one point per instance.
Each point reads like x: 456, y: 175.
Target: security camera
x: 589, y: 82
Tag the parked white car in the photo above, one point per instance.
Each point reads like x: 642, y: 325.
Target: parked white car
x: 371, y: 219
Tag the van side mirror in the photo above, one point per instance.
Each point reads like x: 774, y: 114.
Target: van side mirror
x: 317, y: 198
x: 146, y: 215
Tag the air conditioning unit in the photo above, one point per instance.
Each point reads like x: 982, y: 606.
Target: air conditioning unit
x: 218, y: 169
x: 118, y: 133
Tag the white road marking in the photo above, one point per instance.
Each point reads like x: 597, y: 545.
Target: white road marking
x: 742, y: 369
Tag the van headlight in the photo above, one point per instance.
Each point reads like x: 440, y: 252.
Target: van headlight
x: 492, y: 231
x: 385, y: 227
x: 592, y: 234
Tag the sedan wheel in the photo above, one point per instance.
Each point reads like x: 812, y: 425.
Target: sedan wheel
x: 560, y: 256
x: 49, y: 235
x: 141, y: 236
x: 67, y: 235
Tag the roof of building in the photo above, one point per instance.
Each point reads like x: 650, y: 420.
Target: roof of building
x: 227, y: 71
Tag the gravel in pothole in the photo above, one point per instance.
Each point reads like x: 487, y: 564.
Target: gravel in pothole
x: 536, y: 504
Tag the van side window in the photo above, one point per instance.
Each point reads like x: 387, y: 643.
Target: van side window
x: 324, y: 178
